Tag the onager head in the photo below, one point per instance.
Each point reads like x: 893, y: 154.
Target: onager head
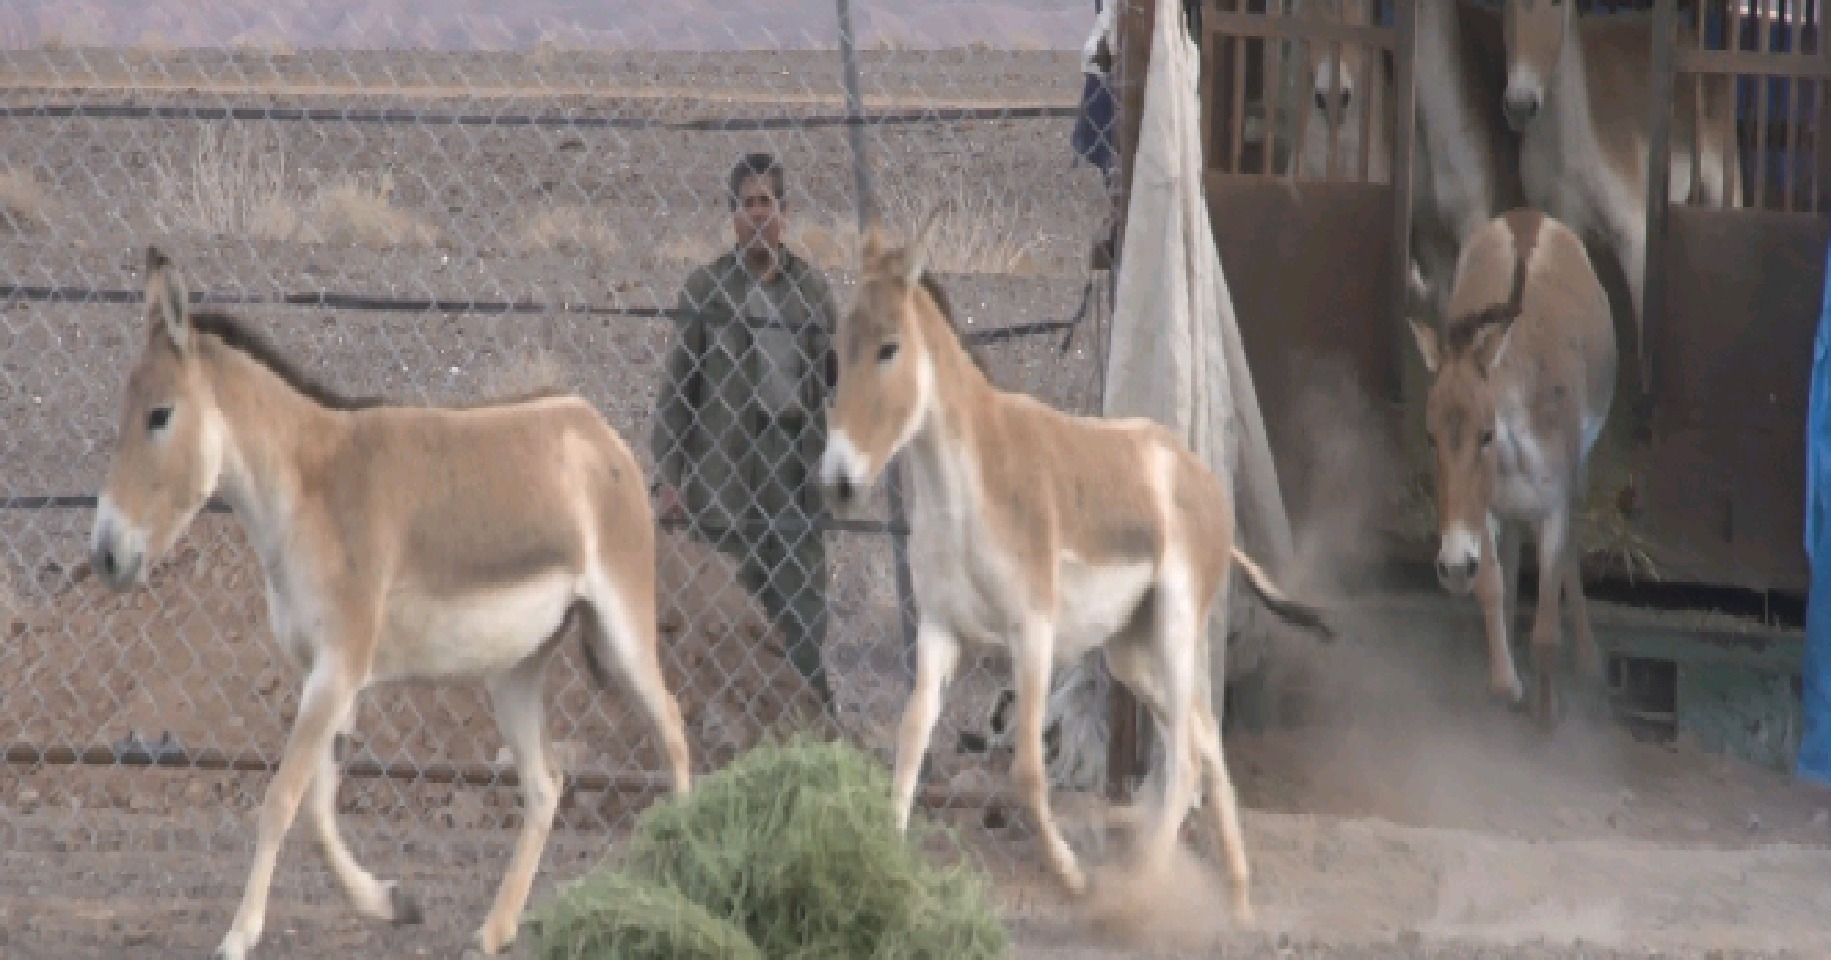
x: 1535, y: 32
x: 1459, y: 420
x: 169, y: 450
x: 886, y: 370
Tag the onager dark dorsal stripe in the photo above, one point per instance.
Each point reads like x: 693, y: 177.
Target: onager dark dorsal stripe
x: 397, y: 542
x: 1521, y: 389
x: 1042, y: 532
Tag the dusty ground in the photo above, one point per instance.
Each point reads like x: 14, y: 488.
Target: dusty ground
x: 1397, y: 813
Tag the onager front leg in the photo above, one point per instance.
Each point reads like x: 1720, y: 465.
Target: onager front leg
x: 329, y: 691
x: 937, y: 655
x: 1547, y: 628
x: 516, y: 696
x: 369, y: 897
x: 1490, y: 590
x: 1033, y: 662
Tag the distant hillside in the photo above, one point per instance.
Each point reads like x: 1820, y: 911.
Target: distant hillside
x: 494, y: 25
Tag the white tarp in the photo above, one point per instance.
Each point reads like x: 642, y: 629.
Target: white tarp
x: 1176, y: 356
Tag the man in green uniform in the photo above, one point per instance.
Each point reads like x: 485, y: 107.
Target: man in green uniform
x: 740, y: 421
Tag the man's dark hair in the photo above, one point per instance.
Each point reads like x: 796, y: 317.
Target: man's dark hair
x: 755, y: 165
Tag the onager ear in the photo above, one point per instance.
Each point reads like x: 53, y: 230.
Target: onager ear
x: 915, y: 259
x: 1427, y: 344
x: 871, y: 247
x: 1417, y: 292
x: 168, y: 302
x: 1491, y: 342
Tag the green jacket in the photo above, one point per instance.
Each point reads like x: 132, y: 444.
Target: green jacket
x: 715, y: 438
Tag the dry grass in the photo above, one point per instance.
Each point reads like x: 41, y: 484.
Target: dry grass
x: 359, y: 211
x: 231, y: 183
x: 528, y: 370
x: 570, y: 230
x: 238, y: 183
x: 24, y: 205
x: 976, y: 233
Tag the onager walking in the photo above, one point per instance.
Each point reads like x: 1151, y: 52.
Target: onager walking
x: 396, y: 542
x: 1041, y: 532
x: 1579, y: 92
x: 1522, y: 381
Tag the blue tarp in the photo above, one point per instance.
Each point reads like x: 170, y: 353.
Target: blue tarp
x: 1815, y: 740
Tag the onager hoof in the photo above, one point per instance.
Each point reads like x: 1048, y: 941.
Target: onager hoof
x: 493, y: 938
x: 1508, y: 691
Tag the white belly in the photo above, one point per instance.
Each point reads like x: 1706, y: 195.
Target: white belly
x: 473, y: 635
x: 1095, y: 602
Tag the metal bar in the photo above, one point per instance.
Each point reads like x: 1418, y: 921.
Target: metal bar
x: 1135, y: 19
x: 1734, y: 63
x: 129, y: 111
x: 474, y: 774
x: 867, y: 214
x: 1659, y: 162
x: 1238, y: 120
x: 1235, y: 24
x: 1405, y: 33
x: 1764, y: 38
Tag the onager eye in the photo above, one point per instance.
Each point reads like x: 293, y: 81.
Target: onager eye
x: 886, y: 352
x: 1487, y: 437
x: 158, y: 418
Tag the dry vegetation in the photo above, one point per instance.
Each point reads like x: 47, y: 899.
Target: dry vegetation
x: 23, y: 203
x: 239, y: 184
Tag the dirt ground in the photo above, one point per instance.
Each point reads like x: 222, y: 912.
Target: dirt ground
x: 1394, y: 811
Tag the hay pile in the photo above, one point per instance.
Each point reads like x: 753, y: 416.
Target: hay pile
x: 790, y: 851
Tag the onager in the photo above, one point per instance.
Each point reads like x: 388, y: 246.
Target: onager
x: 1522, y: 381
x: 1579, y: 90
x: 1039, y: 532
x: 1465, y: 167
x: 397, y: 543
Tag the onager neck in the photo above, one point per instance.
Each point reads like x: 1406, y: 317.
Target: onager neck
x: 271, y: 431
x: 944, y: 451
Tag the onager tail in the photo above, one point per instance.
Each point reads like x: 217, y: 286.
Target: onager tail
x: 1293, y: 611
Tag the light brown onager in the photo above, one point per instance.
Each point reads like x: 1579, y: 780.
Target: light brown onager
x: 397, y: 543
x: 1523, y: 377
x: 1040, y: 532
x: 1579, y: 91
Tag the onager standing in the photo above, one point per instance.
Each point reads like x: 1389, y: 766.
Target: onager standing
x: 1579, y: 90
x: 1465, y: 167
x: 1041, y: 532
x: 396, y: 542
x: 1522, y: 380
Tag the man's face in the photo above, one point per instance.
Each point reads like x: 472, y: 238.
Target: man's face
x: 759, y: 217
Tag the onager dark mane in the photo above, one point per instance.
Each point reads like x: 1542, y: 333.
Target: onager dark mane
x: 235, y: 333
x: 1464, y: 331
x: 933, y: 286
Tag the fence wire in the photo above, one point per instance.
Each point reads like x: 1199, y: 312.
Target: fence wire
x: 438, y: 224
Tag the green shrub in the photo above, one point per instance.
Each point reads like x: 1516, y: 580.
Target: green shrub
x: 794, y: 845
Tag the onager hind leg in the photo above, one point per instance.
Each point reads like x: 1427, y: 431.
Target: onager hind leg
x: 1130, y: 664
x: 330, y: 690
x: 515, y: 694
x: 1033, y: 662
x: 626, y: 631
x: 937, y: 655
x: 1173, y: 654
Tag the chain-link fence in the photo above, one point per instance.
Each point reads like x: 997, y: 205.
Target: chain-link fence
x: 444, y: 221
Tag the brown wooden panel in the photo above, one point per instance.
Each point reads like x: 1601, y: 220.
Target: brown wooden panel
x: 1310, y: 276
x: 1725, y: 478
